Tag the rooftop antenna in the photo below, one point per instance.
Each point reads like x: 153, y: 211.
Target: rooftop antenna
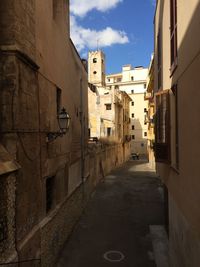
x: 97, y: 44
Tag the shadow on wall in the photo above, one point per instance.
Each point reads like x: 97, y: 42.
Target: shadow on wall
x: 138, y: 140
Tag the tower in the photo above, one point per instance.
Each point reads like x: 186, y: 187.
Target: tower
x: 96, y: 68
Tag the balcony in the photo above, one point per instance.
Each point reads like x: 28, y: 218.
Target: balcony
x: 147, y: 96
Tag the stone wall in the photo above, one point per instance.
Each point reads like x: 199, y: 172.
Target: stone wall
x: 7, y: 216
x: 56, y: 228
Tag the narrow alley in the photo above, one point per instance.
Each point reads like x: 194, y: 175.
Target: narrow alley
x: 115, y: 227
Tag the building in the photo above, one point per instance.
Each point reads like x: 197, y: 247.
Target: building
x: 133, y: 82
x: 149, y: 97
x: 109, y: 117
x: 176, y: 88
x: 42, y: 163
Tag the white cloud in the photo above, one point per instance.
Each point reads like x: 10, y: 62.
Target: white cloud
x: 88, y: 38
x: 82, y: 7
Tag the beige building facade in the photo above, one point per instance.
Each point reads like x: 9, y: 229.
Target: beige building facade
x: 177, y: 79
x: 150, y: 115
x: 133, y: 82
x: 109, y: 116
x: 42, y: 167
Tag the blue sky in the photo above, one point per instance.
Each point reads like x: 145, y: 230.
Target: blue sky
x: 122, y: 28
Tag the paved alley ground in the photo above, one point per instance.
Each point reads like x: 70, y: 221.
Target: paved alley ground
x: 115, y: 228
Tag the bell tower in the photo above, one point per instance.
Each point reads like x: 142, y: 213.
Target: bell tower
x: 96, y: 68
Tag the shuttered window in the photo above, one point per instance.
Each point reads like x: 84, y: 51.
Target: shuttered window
x: 175, y: 94
x: 173, y: 33
x: 162, y: 129
x: 159, y: 57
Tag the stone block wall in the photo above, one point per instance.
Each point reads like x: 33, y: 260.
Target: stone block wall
x: 17, y: 26
x: 56, y: 228
x: 7, y: 216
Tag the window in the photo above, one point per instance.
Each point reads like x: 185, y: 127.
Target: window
x: 94, y: 72
x: 3, y: 228
x: 108, y: 106
x: 132, y: 115
x: 173, y: 33
x: 94, y: 60
x: 159, y: 56
x: 132, y: 78
x: 145, y: 110
x: 50, y: 183
x: 145, y: 85
x: 176, y: 137
x: 133, y: 136
x: 108, y: 79
x: 145, y: 133
x: 132, y: 91
x: 162, y: 129
x: 108, y: 131
x: 119, y: 79
x: 132, y: 103
x: 57, y: 9
x: 133, y: 127
x: 116, y: 86
x: 58, y: 100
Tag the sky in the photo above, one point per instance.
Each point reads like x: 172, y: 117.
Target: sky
x: 123, y: 29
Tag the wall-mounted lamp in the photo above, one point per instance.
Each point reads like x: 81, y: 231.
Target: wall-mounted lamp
x: 63, y: 122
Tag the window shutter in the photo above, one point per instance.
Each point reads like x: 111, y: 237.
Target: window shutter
x: 162, y: 129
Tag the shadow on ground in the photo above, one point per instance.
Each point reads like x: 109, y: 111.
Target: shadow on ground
x: 117, y: 218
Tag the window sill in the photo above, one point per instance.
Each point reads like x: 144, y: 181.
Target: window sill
x: 173, y: 68
x: 175, y: 168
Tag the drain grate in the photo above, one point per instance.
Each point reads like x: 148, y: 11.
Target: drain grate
x: 113, y: 256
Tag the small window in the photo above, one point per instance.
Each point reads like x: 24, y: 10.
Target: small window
x: 132, y: 78
x: 173, y: 33
x: 145, y: 110
x: 108, y: 106
x: 108, y: 79
x: 133, y: 136
x: 94, y: 60
x: 3, y: 228
x: 133, y: 127
x: 94, y: 72
x: 145, y: 133
x: 57, y: 8
x: 58, y: 100
x: 50, y: 182
x: 108, y: 131
x: 132, y: 115
x: 132, y: 91
x: 159, y: 57
x: 145, y: 85
x: 132, y: 103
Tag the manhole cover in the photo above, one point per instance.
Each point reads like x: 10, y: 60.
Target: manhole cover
x: 113, y: 256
